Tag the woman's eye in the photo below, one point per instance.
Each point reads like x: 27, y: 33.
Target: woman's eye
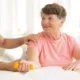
x: 50, y: 18
x: 43, y: 18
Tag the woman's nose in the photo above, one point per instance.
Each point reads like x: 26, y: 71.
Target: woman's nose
x: 46, y: 21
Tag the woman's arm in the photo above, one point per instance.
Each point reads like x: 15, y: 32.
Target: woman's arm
x: 33, y: 55
x: 74, y: 65
x: 76, y: 54
x: 33, y: 58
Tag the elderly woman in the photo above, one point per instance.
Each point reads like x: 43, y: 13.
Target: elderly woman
x: 54, y: 48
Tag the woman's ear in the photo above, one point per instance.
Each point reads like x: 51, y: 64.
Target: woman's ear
x: 62, y: 20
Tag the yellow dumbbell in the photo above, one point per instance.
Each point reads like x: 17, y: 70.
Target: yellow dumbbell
x: 31, y: 66
x: 16, y: 65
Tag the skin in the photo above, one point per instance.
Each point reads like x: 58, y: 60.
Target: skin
x: 1, y: 39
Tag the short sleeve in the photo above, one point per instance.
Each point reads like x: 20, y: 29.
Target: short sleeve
x: 35, y: 45
x: 76, y: 45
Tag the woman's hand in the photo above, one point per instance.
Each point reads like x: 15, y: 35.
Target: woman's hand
x: 74, y: 66
x: 32, y: 37
x: 24, y: 65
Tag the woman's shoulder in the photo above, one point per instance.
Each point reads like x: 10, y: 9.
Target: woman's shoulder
x: 69, y: 37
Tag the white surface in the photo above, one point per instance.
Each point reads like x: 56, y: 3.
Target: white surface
x: 48, y: 73
x: 13, y: 54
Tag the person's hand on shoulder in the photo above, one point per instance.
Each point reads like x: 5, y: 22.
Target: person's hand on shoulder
x: 31, y: 37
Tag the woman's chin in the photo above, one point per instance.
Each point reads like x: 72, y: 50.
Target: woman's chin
x: 47, y: 31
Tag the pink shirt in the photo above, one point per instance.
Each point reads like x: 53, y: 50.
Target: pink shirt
x: 55, y: 52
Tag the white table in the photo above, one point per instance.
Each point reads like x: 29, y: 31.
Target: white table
x: 48, y: 73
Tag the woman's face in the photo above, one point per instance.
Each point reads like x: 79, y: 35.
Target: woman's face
x: 51, y: 22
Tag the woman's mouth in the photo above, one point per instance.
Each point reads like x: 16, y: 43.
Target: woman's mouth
x: 46, y: 26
